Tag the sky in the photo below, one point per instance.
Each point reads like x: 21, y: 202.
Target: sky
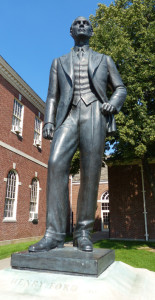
x: 34, y: 32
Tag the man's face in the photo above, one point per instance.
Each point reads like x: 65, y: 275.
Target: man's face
x: 81, y: 28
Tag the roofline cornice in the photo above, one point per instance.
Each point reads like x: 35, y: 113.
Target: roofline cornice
x: 15, y: 80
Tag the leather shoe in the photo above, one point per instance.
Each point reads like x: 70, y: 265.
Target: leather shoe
x: 83, y: 243
x: 45, y: 244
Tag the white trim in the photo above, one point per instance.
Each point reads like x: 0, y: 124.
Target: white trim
x: 37, y: 201
x: 21, y: 153
x: 78, y: 182
x: 9, y: 220
x: 20, y: 125
x: 39, y: 133
x: 12, y: 77
x: 13, y: 218
x: 103, y: 210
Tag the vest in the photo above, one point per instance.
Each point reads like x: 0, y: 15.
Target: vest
x: 82, y: 86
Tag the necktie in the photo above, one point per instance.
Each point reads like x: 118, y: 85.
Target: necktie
x: 80, y: 53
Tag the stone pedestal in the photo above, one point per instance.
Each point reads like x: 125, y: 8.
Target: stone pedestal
x: 119, y: 281
x: 67, y: 260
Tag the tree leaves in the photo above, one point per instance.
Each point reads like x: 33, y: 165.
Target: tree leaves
x: 125, y: 30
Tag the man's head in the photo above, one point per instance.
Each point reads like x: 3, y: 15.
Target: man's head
x: 81, y: 29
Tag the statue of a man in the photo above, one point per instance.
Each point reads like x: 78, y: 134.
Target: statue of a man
x: 78, y: 114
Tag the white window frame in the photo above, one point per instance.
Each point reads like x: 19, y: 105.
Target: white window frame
x: 104, y: 199
x: 33, y: 214
x: 17, y: 118
x: 9, y: 196
x: 37, y: 133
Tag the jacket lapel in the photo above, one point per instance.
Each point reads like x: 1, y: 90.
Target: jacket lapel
x: 67, y: 64
x: 94, y: 61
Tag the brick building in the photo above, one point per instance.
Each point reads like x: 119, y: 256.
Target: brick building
x: 132, y: 207
x: 23, y: 159
x: 102, y: 209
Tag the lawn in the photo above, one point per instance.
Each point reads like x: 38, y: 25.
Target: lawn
x: 136, y: 254
x: 7, y: 250
x: 133, y: 253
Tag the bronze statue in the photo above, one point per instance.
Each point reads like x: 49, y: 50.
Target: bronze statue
x: 78, y: 114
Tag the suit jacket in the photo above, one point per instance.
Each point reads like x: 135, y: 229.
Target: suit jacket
x: 102, y: 71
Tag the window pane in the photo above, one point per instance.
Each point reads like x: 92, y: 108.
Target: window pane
x: 17, y: 114
x: 10, y: 195
x: 34, y: 198
x: 37, y: 130
x: 105, y: 219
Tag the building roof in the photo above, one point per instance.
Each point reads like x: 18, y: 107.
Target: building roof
x: 15, y: 80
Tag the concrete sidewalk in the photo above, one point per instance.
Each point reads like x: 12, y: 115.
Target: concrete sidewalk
x: 5, y: 263
x: 96, y: 236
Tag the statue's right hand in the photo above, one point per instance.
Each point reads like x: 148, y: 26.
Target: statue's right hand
x: 48, y: 131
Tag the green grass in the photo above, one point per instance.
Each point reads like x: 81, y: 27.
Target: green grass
x: 7, y: 250
x: 125, y: 251
x: 129, y: 252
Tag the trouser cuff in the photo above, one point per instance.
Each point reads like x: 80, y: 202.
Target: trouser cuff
x: 82, y: 233
x: 55, y: 235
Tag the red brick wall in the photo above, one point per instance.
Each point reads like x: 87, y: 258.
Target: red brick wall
x: 26, y: 171
x: 75, y: 189
x: 7, y: 95
x: 25, y: 168
x: 150, y: 205
x: 102, y: 188
x: 126, y: 203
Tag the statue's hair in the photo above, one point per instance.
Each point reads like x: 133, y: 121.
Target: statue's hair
x: 76, y: 19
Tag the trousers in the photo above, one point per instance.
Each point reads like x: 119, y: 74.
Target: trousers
x: 83, y: 128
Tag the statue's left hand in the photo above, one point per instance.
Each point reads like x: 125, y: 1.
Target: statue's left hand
x: 48, y: 131
x: 107, y: 108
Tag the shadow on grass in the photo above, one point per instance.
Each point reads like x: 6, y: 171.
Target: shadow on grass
x: 128, y: 245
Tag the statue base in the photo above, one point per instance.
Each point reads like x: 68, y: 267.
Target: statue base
x: 68, y: 260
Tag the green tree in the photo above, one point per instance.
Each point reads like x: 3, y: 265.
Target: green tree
x: 125, y: 30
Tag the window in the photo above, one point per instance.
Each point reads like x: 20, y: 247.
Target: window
x: 105, y: 206
x: 105, y: 211
x: 11, y: 196
x: 37, y: 132
x: 34, y: 199
x: 17, y: 120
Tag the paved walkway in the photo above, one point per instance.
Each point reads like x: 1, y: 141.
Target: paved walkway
x: 97, y: 236
x: 5, y: 263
